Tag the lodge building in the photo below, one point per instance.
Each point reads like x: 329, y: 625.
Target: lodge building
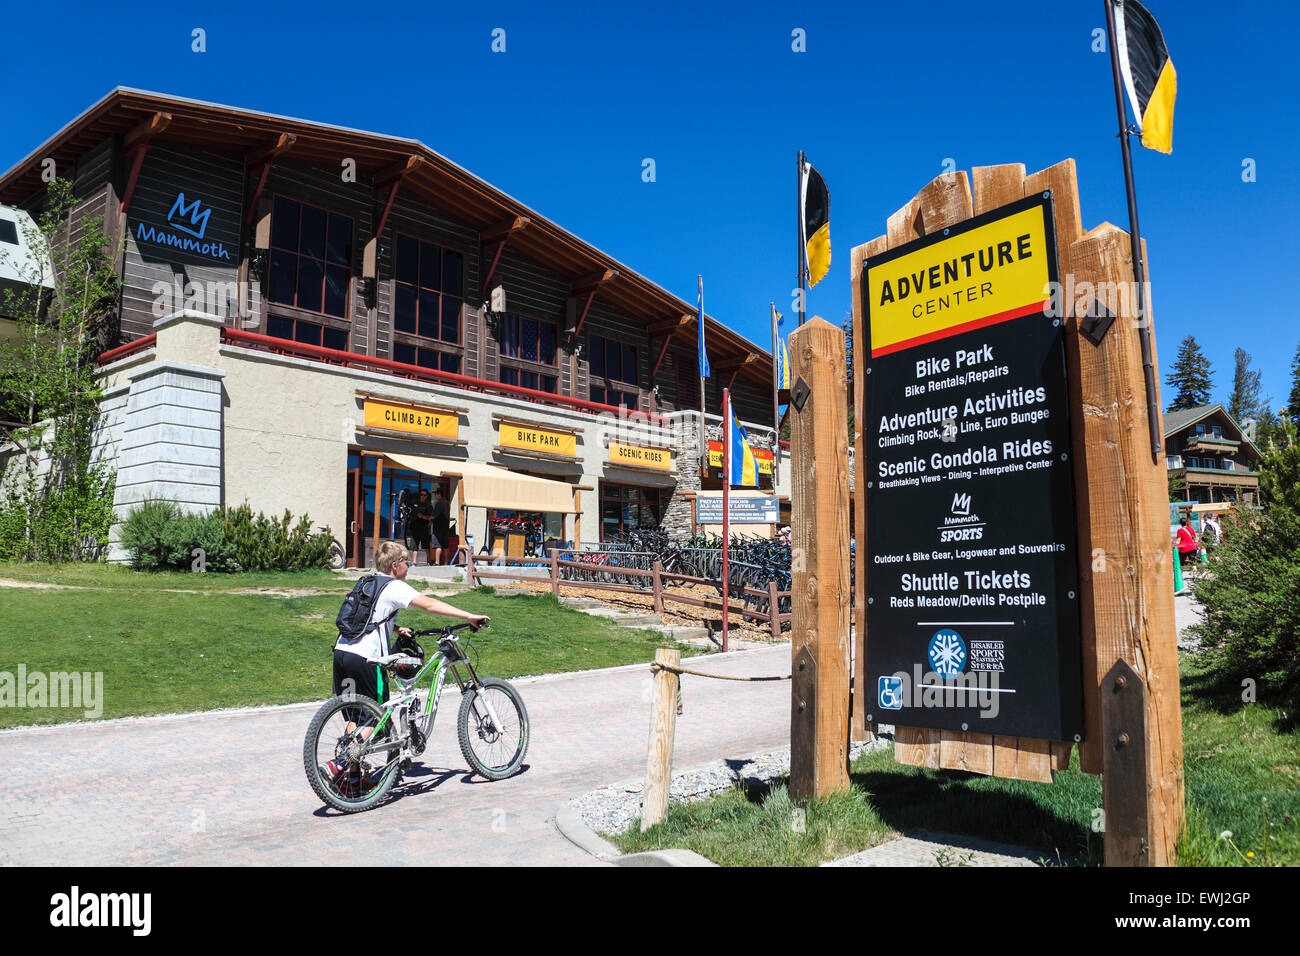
x: 317, y: 318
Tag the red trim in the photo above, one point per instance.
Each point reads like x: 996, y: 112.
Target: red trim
x: 353, y: 360
x: 487, y: 278
x: 130, y: 348
x: 136, y: 162
x: 577, y: 329
x: 388, y: 207
x: 1007, y: 316
x: 257, y: 196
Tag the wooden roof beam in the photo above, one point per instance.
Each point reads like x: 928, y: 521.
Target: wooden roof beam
x: 592, y: 280
x: 271, y: 150
x: 735, y: 366
x: 671, y: 326
x: 398, y: 170
x: 146, y: 130
x: 500, y: 230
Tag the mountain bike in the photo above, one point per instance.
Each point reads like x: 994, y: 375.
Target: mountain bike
x: 337, y: 555
x: 356, y: 749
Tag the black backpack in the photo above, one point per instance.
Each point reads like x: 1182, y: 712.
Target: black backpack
x: 359, y: 606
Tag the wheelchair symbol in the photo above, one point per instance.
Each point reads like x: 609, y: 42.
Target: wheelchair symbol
x: 891, y: 693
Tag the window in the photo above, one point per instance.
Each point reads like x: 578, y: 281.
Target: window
x: 426, y: 358
x: 311, y: 256
x: 612, y: 362
x: 427, y: 290
x: 309, y: 333
x: 528, y: 356
x: 9, y: 231
x: 624, y: 507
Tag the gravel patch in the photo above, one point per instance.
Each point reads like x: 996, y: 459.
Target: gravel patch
x: 612, y: 809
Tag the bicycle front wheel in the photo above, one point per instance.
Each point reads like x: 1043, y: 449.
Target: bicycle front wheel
x: 495, y: 751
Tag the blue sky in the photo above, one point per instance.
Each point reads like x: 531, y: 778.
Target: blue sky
x: 714, y: 94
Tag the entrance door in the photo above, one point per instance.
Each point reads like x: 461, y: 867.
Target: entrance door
x: 353, y: 537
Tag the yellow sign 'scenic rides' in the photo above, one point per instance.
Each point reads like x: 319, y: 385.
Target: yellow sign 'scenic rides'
x: 990, y: 274
x: 431, y: 422
x: 640, y: 455
x: 538, y: 439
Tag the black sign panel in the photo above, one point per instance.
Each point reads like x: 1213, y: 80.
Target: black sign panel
x: 972, y: 581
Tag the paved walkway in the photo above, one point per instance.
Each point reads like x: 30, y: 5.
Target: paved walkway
x: 229, y: 788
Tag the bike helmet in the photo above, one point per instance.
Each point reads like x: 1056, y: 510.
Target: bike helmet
x: 411, y: 648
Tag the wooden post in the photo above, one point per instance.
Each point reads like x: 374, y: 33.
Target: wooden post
x: 658, y: 581
x: 819, y: 460
x: 663, y: 728
x: 774, y: 618
x: 469, y: 567
x: 379, y: 509
x: 1127, y: 576
x: 555, y: 572
x: 577, y: 520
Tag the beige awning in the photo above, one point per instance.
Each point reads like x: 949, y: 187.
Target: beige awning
x: 487, y: 486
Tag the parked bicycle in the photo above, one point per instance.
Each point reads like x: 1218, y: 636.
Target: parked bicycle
x: 356, y: 749
x: 338, y: 556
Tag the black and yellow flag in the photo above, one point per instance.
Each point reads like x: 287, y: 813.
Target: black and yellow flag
x: 815, y: 218
x: 1148, y: 73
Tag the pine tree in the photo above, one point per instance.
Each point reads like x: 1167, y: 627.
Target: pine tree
x: 1244, y: 401
x: 1190, y: 379
x: 1293, y: 404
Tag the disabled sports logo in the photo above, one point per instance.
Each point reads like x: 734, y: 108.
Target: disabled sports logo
x: 947, y: 654
x: 891, y: 693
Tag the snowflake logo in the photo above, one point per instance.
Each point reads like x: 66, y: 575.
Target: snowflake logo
x: 947, y: 654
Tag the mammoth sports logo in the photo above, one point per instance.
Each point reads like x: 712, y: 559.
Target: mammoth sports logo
x: 961, y: 524
x: 198, y: 221
x: 188, y: 218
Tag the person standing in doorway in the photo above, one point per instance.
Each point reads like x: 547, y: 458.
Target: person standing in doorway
x: 441, y: 524
x: 420, y: 525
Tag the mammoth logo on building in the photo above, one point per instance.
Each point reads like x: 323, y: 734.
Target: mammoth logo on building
x: 197, y: 219
x: 188, y: 218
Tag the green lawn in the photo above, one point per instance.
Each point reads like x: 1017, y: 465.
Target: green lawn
x: 90, y: 575
x: 1235, y: 757
x: 167, y: 652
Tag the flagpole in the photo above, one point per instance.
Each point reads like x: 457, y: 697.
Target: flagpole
x: 704, y: 430
x: 1135, y: 236
x: 776, y: 403
x: 726, y: 508
x: 798, y: 231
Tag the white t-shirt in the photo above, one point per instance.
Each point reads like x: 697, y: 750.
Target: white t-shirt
x: 375, y: 643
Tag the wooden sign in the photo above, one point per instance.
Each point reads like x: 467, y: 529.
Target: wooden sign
x: 428, y: 421
x: 527, y: 438
x: 641, y: 456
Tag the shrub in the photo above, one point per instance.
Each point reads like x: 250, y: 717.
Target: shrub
x: 159, y: 536
x: 1251, y: 597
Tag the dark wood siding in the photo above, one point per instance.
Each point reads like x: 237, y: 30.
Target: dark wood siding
x: 533, y: 291
x: 215, y: 179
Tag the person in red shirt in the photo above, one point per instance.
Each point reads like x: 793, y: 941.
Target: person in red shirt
x: 1187, y: 546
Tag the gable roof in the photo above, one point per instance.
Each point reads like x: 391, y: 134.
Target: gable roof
x: 1176, y: 421
x: 130, y: 113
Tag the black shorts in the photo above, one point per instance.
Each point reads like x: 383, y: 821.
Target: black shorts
x: 420, y: 534
x: 367, y: 680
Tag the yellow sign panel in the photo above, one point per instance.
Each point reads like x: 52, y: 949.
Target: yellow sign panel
x: 989, y: 274
x: 431, y: 422
x: 538, y: 439
x: 761, y: 455
x: 661, y: 458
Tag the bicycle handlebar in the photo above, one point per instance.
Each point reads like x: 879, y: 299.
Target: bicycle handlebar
x: 447, y: 631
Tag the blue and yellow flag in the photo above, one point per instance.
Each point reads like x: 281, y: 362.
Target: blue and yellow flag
x: 699, y: 310
x: 744, y: 466
x: 782, y: 357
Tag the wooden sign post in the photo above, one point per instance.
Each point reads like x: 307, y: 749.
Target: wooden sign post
x: 819, y: 706
x: 1131, y: 718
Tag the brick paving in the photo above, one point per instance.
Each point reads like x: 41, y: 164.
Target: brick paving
x: 228, y: 788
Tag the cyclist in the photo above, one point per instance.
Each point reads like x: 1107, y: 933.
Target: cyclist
x: 355, y: 660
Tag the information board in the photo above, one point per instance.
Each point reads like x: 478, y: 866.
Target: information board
x: 972, y: 582
x: 746, y: 509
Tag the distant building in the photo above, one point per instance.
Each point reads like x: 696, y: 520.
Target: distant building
x: 1209, y: 450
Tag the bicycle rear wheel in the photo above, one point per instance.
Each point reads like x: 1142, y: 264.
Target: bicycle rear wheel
x: 338, y: 772
x: 494, y: 751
